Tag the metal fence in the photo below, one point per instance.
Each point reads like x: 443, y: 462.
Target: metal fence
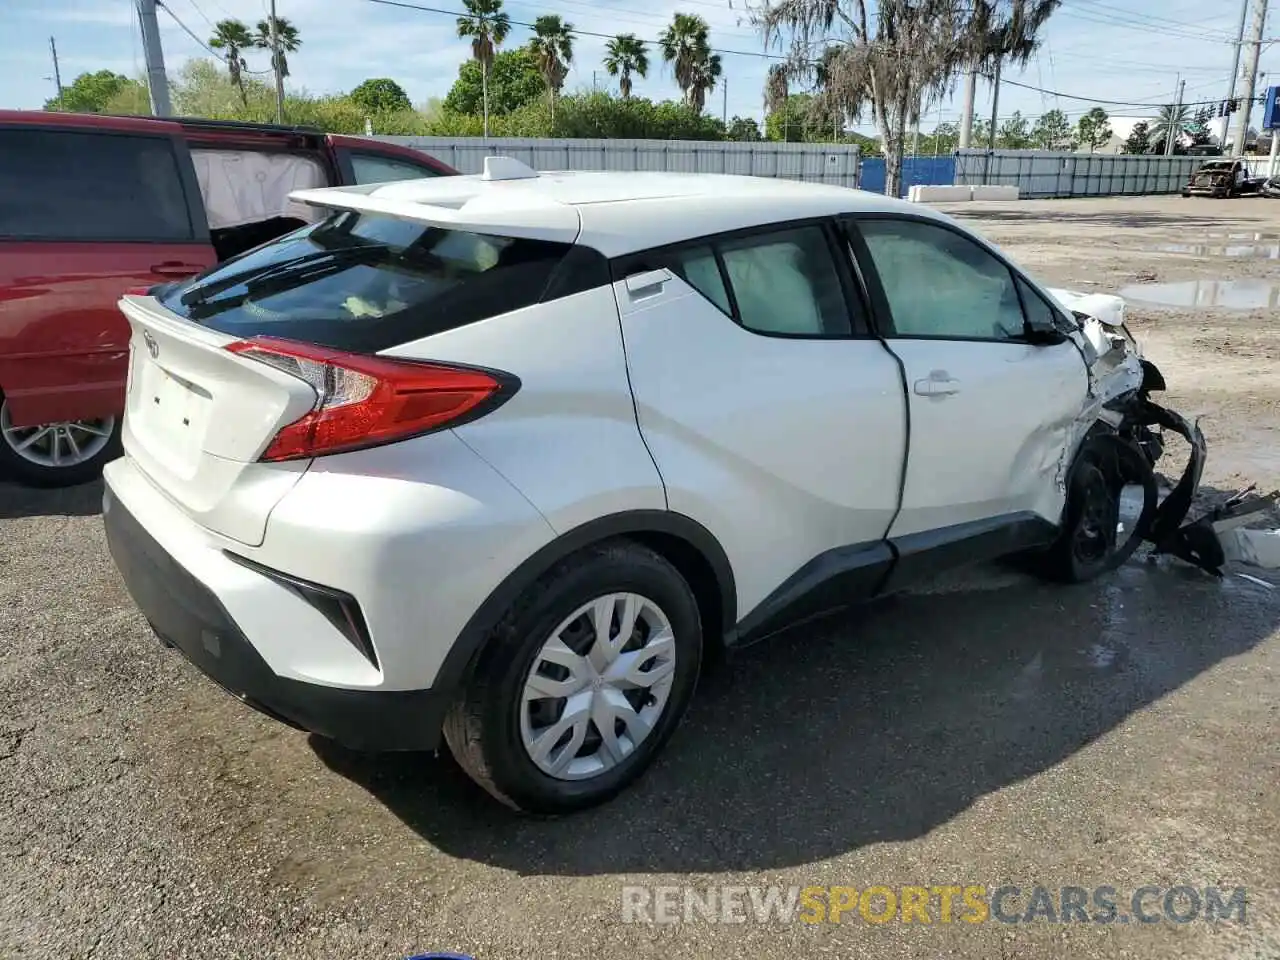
x: 915, y: 170
x: 1044, y: 174
x: 831, y: 163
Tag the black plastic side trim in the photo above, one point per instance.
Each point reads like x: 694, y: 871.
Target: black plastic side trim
x: 458, y: 662
x: 337, y: 606
x: 830, y: 581
x: 922, y: 555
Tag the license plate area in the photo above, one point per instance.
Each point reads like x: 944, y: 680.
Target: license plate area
x: 170, y: 415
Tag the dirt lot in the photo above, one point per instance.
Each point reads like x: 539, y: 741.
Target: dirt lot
x: 989, y: 731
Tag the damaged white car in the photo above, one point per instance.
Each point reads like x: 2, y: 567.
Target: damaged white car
x: 501, y: 460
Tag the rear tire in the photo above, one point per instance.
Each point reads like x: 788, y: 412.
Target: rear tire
x: 547, y: 754
x: 57, y: 454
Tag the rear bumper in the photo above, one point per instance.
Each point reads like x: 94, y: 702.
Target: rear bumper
x: 186, y: 615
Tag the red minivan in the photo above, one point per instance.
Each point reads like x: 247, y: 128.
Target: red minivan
x: 91, y: 206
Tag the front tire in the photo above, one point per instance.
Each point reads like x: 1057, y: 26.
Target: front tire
x: 582, y: 683
x: 57, y: 454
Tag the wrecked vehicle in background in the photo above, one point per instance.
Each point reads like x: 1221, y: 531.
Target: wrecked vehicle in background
x: 1223, y: 179
x: 1271, y: 188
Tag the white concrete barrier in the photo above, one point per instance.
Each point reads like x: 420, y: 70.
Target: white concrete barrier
x: 938, y: 194
x: 995, y: 193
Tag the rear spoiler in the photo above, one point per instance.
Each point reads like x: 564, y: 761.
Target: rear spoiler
x: 460, y: 204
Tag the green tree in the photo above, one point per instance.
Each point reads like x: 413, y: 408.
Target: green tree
x: 1198, y: 129
x: 233, y: 37
x: 1093, y: 129
x: 895, y: 59
x: 1015, y: 133
x: 743, y: 129
x: 1139, y: 139
x: 1053, y: 132
x: 380, y: 95
x: 487, y: 26
x: 513, y: 81
x: 552, y: 50
x: 944, y: 140
x: 287, y: 40
x: 686, y: 46
x: 624, y: 55
x: 90, y: 92
x: 1171, y: 117
x: 801, y: 118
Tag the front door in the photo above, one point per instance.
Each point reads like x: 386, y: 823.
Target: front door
x: 992, y: 416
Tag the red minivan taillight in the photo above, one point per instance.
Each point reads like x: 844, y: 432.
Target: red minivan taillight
x: 364, y: 401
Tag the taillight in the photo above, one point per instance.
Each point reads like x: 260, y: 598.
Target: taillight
x: 363, y: 401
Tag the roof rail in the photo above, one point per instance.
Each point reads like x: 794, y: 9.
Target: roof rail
x: 211, y: 124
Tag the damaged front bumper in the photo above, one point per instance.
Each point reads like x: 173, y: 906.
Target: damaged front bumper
x: 1123, y: 435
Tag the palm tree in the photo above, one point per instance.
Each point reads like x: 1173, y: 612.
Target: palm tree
x: 286, y: 39
x: 626, y: 54
x: 487, y: 26
x: 552, y: 49
x: 233, y: 37
x: 703, y: 79
x: 1178, y: 119
x: 894, y: 59
x: 686, y: 47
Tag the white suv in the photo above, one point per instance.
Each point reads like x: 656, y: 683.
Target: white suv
x: 507, y: 457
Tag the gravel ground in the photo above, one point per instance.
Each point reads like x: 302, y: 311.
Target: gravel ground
x: 988, y: 730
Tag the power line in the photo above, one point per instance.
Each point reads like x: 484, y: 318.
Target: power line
x: 195, y: 6
x: 1135, y: 17
x: 187, y: 30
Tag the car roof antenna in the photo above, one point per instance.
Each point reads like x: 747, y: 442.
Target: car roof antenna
x: 507, y: 168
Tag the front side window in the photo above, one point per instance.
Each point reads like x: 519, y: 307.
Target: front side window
x: 941, y: 284
x: 368, y: 168
x: 75, y: 185
x: 366, y: 282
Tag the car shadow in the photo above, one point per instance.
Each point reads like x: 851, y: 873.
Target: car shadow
x: 878, y: 726
x: 18, y: 501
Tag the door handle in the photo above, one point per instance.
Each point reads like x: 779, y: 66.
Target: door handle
x: 175, y: 268
x: 649, y: 282
x: 939, y: 383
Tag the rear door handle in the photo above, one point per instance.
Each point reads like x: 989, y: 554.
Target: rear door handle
x: 647, y: 283
x: 175, y: 268
x: 939, y: 383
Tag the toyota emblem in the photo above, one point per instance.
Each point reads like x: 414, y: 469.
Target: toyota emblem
x: 153, y: 348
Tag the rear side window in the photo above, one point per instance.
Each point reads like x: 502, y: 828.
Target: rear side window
x: 365, y: 282
x: 73, y: 185
x: 368, y: 168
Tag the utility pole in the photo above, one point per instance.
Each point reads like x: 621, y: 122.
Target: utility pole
x: 1251, y: 75
x: 157, y: 79
x: 1235, y: 67
x: 57, y: 76
x: 275, y: 64
x: 966, y: 114
x: 724, y: 116
x: 991, y: 136
x: 1171, y: 135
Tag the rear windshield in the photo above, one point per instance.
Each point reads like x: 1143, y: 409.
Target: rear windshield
x: 364, y: 282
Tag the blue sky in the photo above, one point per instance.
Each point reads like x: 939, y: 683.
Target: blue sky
x: 1126, y: 50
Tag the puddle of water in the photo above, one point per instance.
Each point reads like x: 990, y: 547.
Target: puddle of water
x: 1228, y: 294
x: 1248, y: 251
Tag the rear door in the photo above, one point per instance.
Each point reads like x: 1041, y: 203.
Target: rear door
x: 84, y: 215
x: 991, y: 414
x: 774, y: 418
